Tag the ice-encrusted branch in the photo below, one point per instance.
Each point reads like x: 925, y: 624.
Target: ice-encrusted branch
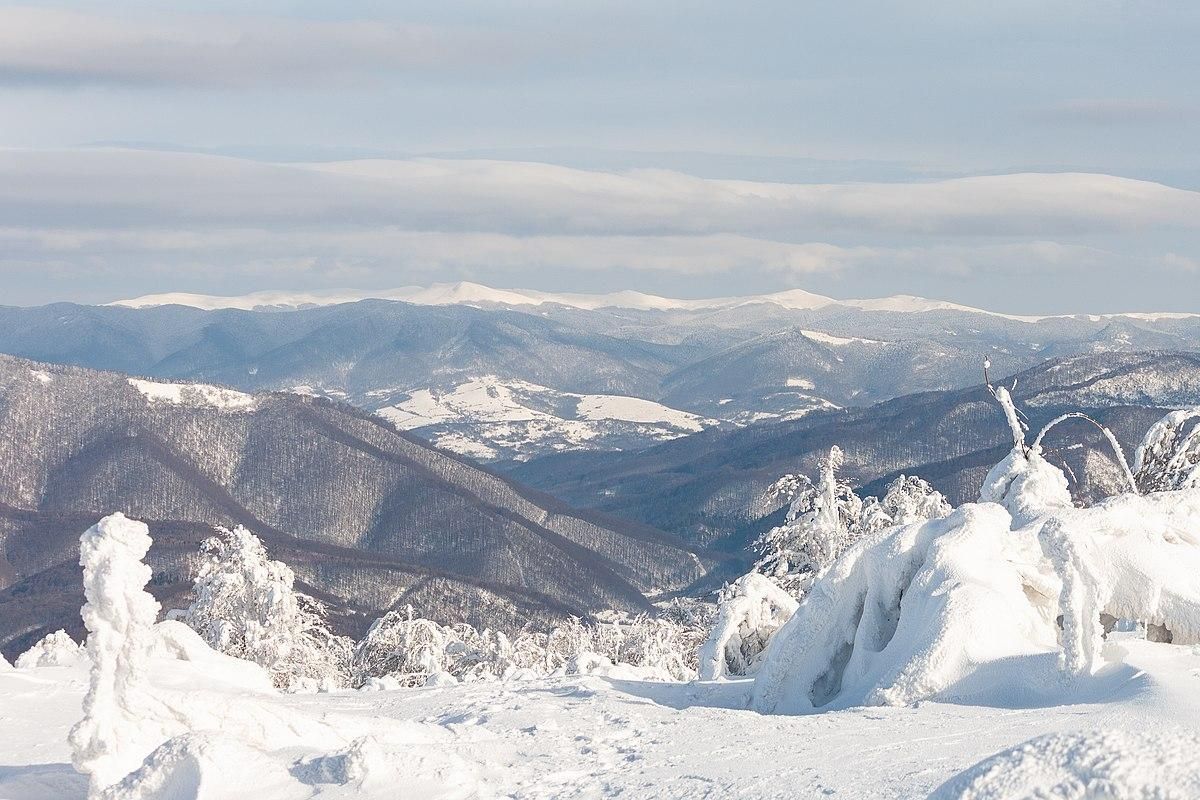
x: 1108, y: 434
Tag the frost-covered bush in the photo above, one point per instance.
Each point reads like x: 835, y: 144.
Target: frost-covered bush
x: 52, y: 650
x: 749, y: 613
x: 907, y: 499
x: 117, y: 728
x: 246, y: 607
x: 413, y: 651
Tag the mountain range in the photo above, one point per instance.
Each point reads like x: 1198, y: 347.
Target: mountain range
x: 369, y: 518
x: 511, y: 375
x: 709, y: 487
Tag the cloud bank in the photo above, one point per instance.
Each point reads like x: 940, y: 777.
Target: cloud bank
x: 183, y: 220
x: 53, y: 46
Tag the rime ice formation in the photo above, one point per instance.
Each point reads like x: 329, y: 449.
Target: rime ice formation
x: 117, y: 728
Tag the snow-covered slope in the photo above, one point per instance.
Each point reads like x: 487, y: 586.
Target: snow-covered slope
x: 489, y: 418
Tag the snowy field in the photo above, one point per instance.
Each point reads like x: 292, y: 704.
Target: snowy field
x: 575, y: 737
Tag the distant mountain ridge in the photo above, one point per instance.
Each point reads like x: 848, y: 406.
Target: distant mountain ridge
x: 466, y: 292
x: 731, y: 364
x: 368, y: 517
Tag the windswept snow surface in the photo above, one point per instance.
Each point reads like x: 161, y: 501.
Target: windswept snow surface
x: 585, y: 737
x: 488, y: 417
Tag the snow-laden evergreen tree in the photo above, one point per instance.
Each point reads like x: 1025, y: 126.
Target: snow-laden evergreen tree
x: 906, y: 500
x: 246, y: 607
x: 821, y: 521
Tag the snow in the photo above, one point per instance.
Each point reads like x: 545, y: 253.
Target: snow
x: 53, y: 650
x: 837, y: 341
x: 587, y: 736
x: 194, y: 394
x: 1086, y: 766
x: 481, y: 416
x: 635, y: 409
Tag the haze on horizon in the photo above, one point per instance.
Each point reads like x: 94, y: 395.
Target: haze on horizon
x: 1018, y: 156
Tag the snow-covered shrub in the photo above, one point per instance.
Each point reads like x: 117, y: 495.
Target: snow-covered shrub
x: 969, y: 597
x: 246, y: 607
x: 907, y: 499
x: 750, y: 612
x: 52, y: 650
x: 118, y: 726
x: 1169, y: 456
x: 988, y: 586
x: 414, y: 651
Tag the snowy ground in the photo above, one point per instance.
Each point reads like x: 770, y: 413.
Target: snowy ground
x: 577, y: 737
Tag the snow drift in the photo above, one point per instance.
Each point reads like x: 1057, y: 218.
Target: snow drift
x: 1096, y: 765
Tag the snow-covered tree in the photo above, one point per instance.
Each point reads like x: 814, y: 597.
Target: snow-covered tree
x: 413, y: 651
x: 246, y: 607
x: 906, y: 500
x: 821, y: 522
x: 116, y: 730
x: 52, y: 650
x: 1169, y: 456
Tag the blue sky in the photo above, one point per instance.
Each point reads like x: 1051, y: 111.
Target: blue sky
x: 696, y: 148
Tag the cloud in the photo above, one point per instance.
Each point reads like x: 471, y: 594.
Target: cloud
x: 118, y: 218
x: 126, y: 188
x: 52, y: 46
x: 383, y: 250
x: 1115, y: 111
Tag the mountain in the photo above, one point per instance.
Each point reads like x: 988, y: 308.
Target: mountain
x: 734, y: 361
x: 465, y: 292
x: 369, y: 518
x: 709, y: 487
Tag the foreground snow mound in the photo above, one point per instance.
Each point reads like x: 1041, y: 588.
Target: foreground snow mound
x: 174, y: 640
x: 1104, y: 765
x: 52, y: 650
x: 202, y: 767
x: 908, y: 613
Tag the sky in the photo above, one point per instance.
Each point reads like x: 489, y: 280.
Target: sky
x: 1027, y: 157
